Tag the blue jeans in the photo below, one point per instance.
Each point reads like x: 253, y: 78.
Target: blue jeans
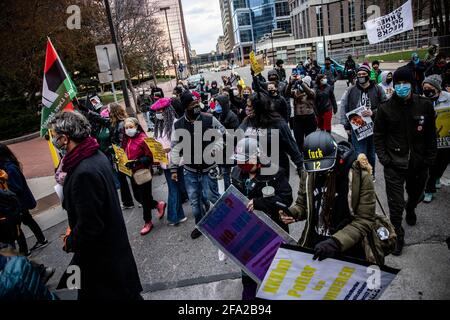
x: 175, y: 210
x: 226, y: 170
x: 201, y: 189
x: 365, y: 146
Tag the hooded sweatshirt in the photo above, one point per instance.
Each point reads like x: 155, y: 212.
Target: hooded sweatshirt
x: 227, y: 117
x: 388, y: 88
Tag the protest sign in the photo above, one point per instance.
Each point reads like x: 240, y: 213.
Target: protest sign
x: 398, y: 21
x: 255, y: 65
x: 443, y: 126
x: 159, y: 155
x: 362, y: 126
x: 122, y: 159
x: 294, y: 275
x: 249, y: 239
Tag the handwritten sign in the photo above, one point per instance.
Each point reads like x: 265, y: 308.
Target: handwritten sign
x: 157, y: 150
x: 121, y: 160
x: 294, y: 275
x: 249, y: 239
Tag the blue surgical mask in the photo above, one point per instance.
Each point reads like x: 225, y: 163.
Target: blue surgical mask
x: 403, y: 89
x: 218, y: 108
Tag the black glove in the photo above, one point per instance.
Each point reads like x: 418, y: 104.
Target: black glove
x: 131, y: 164
x: 326, y: 249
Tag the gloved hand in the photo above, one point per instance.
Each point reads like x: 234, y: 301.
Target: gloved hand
x: 131, y: 164
x: 326, y: 249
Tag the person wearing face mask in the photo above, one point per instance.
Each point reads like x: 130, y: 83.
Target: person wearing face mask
x: 366, y: 93
x: 438, y: 67
x: 200, y: 175
x: 176, y: 102
x: 375, y: 73
x: 279, y: 103
x: 446, y: 78
x: 325, y: 103
x: 336, y: 198
x: 213, y: 90
x: 272, y: 77
x: 418, y: 68
x: 263, y: 191
x: 314, y: 70
x: 441, y: 101
x: 240, y: 101
x: 140, y: 157
x: 387, y: 84
x: 405, y: 142
x: 350, y: 70
x: 280, y: 70
x: 330, y: 72
x: 305, y: 121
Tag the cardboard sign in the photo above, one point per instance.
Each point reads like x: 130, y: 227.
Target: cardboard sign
x: 249, y: 239
x: 255, y: 65
x: 362, y: 126
x: 294, y: 275
x: 443, y: 126
x: 122, y: 159
x: 157, y: 150
x: 398, y: 21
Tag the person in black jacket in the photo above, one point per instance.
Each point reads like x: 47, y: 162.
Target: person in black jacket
x: 98, y: 235
x: 176, y: 102
x: 264, y: 191
x: 261, y: 121
x: 418, y: 68
x: 18, y: 184
x: 325, y: 103
x: 405, y: 142
x: 350, y: 70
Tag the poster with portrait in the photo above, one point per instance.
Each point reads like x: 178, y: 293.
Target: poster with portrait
x: 362, y: 126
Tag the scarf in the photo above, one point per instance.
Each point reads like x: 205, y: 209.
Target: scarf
x: 84, y: 150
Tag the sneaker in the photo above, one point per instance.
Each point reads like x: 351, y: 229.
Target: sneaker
x: 399, y: 246
x: 438, y: 183
x: 196, y: 233
x: 173, y: 224
x: 147, y: 228
x: 411, y: 217
x: 127, y: 207
x: 374, y: 179
x: 183, y: 220
x: 39, y: 245
x: 46, y: 274
x: 161, y: 207
x: 428, y: 197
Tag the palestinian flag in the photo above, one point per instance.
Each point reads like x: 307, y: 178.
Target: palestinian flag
x: 58, y: 89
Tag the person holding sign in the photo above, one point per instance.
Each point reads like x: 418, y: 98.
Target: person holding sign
x: 165, y: 118
x: 141, y: 157
x: 362, y: 101
x: 405, y: 142
x: 337, y: 219
x: 441, y: 101
x: 266, y: 192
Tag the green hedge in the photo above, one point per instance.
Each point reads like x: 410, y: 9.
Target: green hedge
x: 17, y: 120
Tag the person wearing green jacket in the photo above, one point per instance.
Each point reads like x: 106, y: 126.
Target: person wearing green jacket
x: 375, y: 73
x: 336, y: 197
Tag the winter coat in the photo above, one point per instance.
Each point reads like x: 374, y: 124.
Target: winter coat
x: 281, y: 74
x: 98, y: 235
x: 18, y: 184
x: 352, y: 99
x: 20, y: 281
x: 227, y: 118
x: 303, y: 100
x: 353, y: 210
x: 176, y: 104
x: 405, y: 133
x: 418, y: 70
x: 287, y: 145
x: 137, y: 149
x: 279, y: 181
x: 280, y: 105
x: 313, y: 72
x: 375, y: 75
x: 325, y: 99
x: 388, y: 88
x: 331, y: 74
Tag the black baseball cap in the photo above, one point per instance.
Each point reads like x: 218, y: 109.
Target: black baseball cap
x: 319, y: 152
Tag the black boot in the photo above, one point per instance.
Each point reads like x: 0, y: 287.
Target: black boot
x: 410, y: 217
x: 399, y: 245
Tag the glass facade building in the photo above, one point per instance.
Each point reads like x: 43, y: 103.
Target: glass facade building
x: 252, y: 19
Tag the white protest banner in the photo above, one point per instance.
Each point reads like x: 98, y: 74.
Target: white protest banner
x: 384, y: 27
x: 294, y: 275
x: 362, y: 126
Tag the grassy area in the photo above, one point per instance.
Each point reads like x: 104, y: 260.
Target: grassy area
x: 108, y: 97
x: 396, y: 56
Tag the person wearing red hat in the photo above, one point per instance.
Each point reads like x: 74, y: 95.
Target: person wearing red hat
x: 165, y: 118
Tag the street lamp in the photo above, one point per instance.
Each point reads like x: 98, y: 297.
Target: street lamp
x: 170, y: 40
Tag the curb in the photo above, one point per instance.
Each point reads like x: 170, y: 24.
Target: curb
x: 21, y: 139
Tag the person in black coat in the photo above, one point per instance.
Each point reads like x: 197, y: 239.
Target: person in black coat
x: 97, y: 235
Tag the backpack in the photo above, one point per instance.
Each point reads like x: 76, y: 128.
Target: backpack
x: 380, y: 240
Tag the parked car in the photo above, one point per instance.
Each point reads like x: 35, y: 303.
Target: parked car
x: 194, y: 80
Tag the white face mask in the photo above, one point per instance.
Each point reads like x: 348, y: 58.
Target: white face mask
x: 131, y: 132
x: 323, y: 81
x: 159, y: 116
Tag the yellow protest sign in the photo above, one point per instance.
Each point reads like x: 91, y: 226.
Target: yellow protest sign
x: 157, y: 150
x: 255, y: 65
x: 122, y: 159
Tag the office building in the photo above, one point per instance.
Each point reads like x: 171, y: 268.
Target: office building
x: 220, y: 46
x: 227, y: 26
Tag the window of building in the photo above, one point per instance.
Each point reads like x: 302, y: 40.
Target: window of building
x: 351, y: 15
x: 238, y: 4
x: 341, y: 7
x: 245, y: 36
x: 285, y: 25
x: 329, y: 19
x: 319, y: 19
x: 243, y: 19
x: 308, y: 23
x: 363, y: 13
x: 281, y: 9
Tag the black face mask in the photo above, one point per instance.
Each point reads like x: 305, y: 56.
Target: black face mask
x: 363, y: 80
x: 245, y: 96
x: 273, y: 92
x: 273, y: 79
x: 429, y: 93
x: 388, y: 80
x: 193, y: 113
